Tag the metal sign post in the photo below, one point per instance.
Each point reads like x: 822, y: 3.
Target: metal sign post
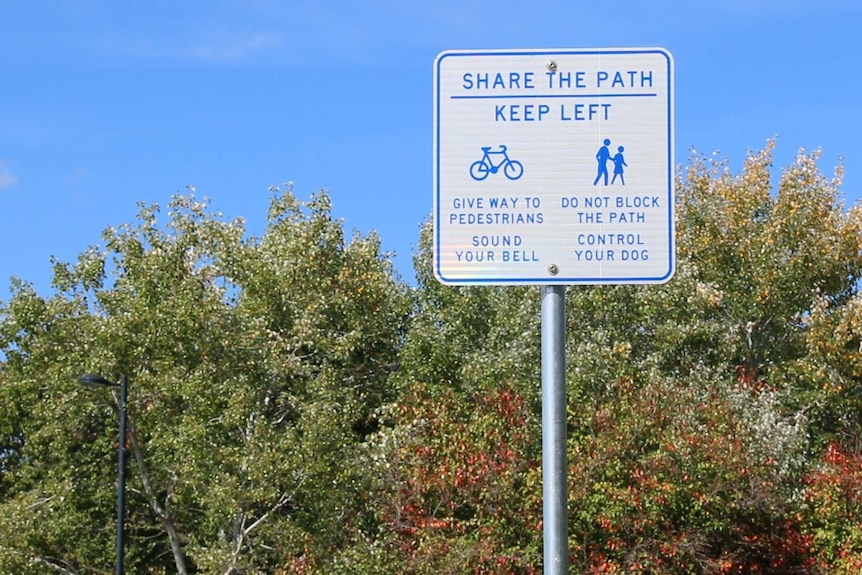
x: 554, y: 510
x: 553, y: 168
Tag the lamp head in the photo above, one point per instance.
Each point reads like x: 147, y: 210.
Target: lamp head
x: 94, y: 380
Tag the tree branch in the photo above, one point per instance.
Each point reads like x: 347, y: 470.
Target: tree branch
x: 51, y: 565
x: 161, y: 512
x: 242, y: 532
x: 39, y: 560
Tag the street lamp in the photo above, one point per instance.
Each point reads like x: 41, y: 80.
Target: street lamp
x: 97, y: 381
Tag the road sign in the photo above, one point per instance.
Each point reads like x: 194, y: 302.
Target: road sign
x: 553, y: 167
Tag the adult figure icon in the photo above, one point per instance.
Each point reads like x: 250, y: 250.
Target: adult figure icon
x: 602, y: 156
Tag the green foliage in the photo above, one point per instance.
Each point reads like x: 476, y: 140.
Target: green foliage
x: 255, y: 368
x: 295, y: 409
x: 668, y: 476
x: 783, y: 271
x: 834, y: 517
x: 470, y: 337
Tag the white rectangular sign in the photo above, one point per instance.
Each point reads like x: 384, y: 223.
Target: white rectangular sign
x: 553, y: 167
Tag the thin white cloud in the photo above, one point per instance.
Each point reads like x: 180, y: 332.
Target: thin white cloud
x: 7, y: 178
x: 211, y: 47
x: 228, y: 48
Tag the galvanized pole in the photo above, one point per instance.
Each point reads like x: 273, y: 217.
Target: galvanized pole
x: 554, y: 512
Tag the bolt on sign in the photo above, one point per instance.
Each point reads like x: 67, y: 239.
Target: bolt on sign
x: 553, y: 167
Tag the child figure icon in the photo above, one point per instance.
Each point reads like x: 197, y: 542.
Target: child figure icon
x: 619, y: 163
x: 603, y: 156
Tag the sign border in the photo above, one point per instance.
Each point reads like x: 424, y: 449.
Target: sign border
x: 552, y: 280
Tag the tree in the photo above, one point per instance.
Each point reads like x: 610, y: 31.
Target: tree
x: 694, y: 407
x: 726, y: 350
x: 255, y: 368
x: 297, y: 409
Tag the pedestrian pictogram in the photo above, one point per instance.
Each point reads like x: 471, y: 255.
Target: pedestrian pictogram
x: 603, y: 156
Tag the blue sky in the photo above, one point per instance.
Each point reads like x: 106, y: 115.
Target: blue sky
x: 107, y: 104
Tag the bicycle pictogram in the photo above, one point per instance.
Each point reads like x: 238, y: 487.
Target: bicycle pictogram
x: 479, y: 170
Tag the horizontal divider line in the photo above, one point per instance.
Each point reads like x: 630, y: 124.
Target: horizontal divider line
x: 511, y: 96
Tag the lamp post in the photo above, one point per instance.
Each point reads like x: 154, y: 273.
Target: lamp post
x: 97, y: 381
